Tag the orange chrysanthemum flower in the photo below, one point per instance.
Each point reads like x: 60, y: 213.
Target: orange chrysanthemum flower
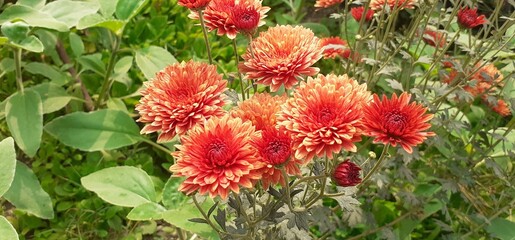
x: 219, y: 15
x: 281, y: 55
x: 359, y: 12
x: 324, y: 116
x: 434, y: 38
x: 483, y: 81
x: 275, y: 149
x: 180, y: 97
x: 378, y: 5
x: 396, y: 121
x: 217, y: 158
x: 333, y: 47
x: 194, y: 4
x: 260, y: 109
x: 500, y: 106
x: 326, y: 3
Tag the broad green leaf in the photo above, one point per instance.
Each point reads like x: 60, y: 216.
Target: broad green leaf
x: 32, y: 17
x: 96, y: 20
x: 52, y: 73
x: 126, y: 9
x: 407, y: 225
x: 7, y: 65
x: 172, y: 197
x: 153, y: 59
x: 120, y: 71
x: 107, y: 8
x: 3, y: 40
x: 92, y: 62
x: 7, y: 164
x: 122, y: 186
x: 317, y: 28
x: 52, y: 96
x: 70, y: 12
x: 16, y: 32
x: 2, y: 109
x: 24, y: 116
x: 7, y: 230
x: 76, y: 44
x: 146, y: 211
x: 36, y: 4
x: 502, y: 229
x: 26, y: 193
x: 94, y: 131
x: 180, y: 218
x: 31, y: 43
x: 116, y: 104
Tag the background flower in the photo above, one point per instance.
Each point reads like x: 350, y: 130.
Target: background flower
x: 180, y: 97
x: 346, y: 174
x: 468, y: 18
x: 194, y: 4
x: 260, y: 109
x: 333, y: 47
x: 281, y: 55
x: 326, y: 3
x: 324, y: 116
x: 357, y: 13
x: 217, y: 158
x: 434, y: 38
x: 396, y: 121
x: 378, y: 5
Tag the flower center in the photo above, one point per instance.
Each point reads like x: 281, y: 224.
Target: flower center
x: 217, y: 153
x: 326, y: 115
x: 277, y: 152
x: 395, y: 122
x: 245, y: 19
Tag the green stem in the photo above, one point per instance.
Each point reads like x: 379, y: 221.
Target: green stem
x: 107, y: 77
x: 166, y: 150
x: 239, y: 73
x: 206, y: 217
x: 377, y: 165
x: 287, y: 189
x: 204, y: 31
x: 17, y: 63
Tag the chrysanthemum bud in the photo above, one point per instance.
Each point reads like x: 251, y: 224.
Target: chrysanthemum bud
x: 346, y: 174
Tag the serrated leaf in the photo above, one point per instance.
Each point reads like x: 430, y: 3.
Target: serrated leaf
x: 7, y: 230
x: 7, y: 164
x: 24, y: 116
x: 100, y: 130
x: 146, y: 212
x: 153, y: 59
x: 122, y: 186
x: 396, y: 85
x: 27, y: 195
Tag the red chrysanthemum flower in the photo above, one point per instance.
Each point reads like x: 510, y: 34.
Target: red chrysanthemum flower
x: 246, y: 19
x: 217, y: 158
x: 357, y: 13
x: 326, y: 3
x: 333, y: 47
x: 281, y: 55
x: 324, y: 116
x: 468, y: 18
x: 260, y: 109
x: 378, y: 5
x: 194, y: 4
x: 180, y: 97
x: 275, y: 149
x: 434, y: 38
x: 219, y: 15
x: 500, y: 106
x: 396, y: 121
x: 346, y: 174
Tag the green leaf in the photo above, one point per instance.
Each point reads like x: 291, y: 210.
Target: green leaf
x: 7, y: 230
x: 2, y: 109
x: 37, y: 4
x: 120, y: 71
x: 172, y: 198
x: 146, y: 211
x: 48, y: 71
x: 96, y: 20
x: 70, y: 12
x: 3, y: 40
x: 126, y: 9
x: 317, y: 28
x: 502, y: 229
x: 94, y: 131
x: 76, y: 44
x: 122, y: 186
x: 179, y: 218
x: 53, y: 96
x: 24, y: 116
x: 107, y: 8
x: 153, y: 59
x: 26, y: 193
x: 32, y: 17
x: 407, y: 225
x: 7, y: 164
x: 16, y: 32
x: 31, y: 43
x: 92, y: 62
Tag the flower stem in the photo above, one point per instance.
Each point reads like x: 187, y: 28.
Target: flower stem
x: 107, y: 77
x: 239, y: 73
x: 204, y: 31
x: 205, y: 216
x: 17, y: 63
x: 377, y: 165
x: 287, y: 189
x: 166, y: 150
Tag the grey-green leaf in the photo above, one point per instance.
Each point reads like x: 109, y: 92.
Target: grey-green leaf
x: 70, y: 12
x: 153, y: 59
x: 96, y: 20
x: 7, y: 164
x: 24, y: 116
x: 146, y: 211
x: 32, y: 17
x: 76, y: 44
x: 26, y: 193
x: 7, y: 230
x: 502, y: 229
x: 94, y: 131
x: 179, y: 217
x: 122, y: 186
x: 126, y: 9
x: 52, y: 96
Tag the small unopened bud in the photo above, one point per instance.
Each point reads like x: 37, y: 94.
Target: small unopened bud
x: 372, y: 154
x: 346, y: 174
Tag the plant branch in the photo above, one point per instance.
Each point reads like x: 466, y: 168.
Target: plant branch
x: 204, y: 32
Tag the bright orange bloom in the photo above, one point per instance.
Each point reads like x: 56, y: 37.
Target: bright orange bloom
x: 260, y: 109
x: 181, y: 96
x: 333, y: 47
x: 324, y: 116
x: 434, y: 38
x: 396, y: 121
x: 281, y: 55
x: 326, y: 3
x: 217, y: 158
x: 483, y: 81
x: 468, y: 18
x: 378, y: 5
x: 218, y: 15
x: 500, y: 107
x: 194, y: 4
x: 275, y: 149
